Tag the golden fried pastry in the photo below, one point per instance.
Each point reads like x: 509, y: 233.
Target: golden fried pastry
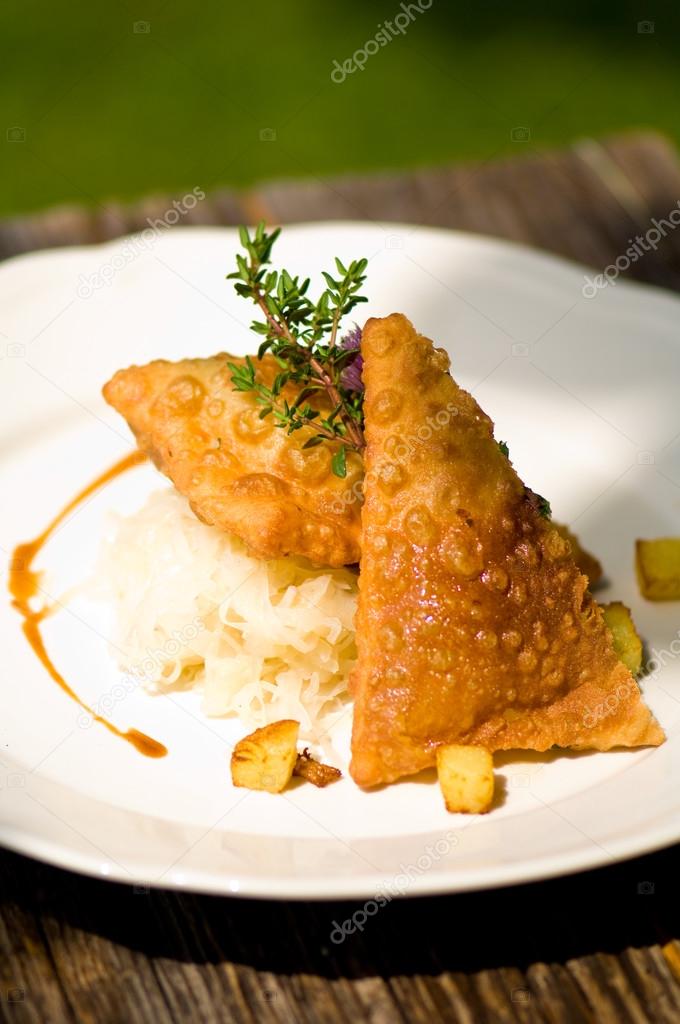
x: 589, y: 565
x: 474, y: 625
x: 239, y: 472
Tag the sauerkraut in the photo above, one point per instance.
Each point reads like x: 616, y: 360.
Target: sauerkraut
x: 263, y: 640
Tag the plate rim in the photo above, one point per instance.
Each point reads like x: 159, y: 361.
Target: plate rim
x: 359, y: 887
x: 362, y: 886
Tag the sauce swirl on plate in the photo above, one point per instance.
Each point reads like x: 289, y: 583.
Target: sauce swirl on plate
x: 24, y: 586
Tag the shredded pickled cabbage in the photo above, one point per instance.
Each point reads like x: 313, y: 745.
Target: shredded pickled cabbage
x: 263, y: 640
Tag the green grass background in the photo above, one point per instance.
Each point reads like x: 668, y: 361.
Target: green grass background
x: 108, y: 112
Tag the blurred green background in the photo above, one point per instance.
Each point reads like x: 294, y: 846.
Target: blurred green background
x: 127, y: 98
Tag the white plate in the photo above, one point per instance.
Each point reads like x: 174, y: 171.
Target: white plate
x: 585, y: 392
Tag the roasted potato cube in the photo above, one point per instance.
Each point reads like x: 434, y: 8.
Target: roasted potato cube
x: 627, y: 643
x: 587, y: 563
x: 657, y: 563
x: 307, y: 767
x: 266, y: 758
x: 465, y: 778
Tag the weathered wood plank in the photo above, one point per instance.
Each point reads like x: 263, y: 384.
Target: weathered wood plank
x: 30, y: 987
x: 75, y: 225
x: 84, y: 949
x: 607, y: 989
x: 654, y: 982
x: 559, y: 998
x: 576, y: 203
x: 585, y: 203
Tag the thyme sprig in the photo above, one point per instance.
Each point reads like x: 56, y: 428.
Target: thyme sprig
x: 303, y: 337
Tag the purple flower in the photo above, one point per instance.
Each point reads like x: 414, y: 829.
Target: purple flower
x: 351, y: 375
x: 352, y: 339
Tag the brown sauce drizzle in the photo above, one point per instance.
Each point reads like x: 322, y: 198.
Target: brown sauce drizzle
x: 24, y: 585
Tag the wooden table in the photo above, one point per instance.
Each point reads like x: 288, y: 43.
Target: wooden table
x: 598, y: 947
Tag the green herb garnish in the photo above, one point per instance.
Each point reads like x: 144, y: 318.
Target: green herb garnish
x: 303, y: 336
x: 539, y: 504
x: 544, y: 509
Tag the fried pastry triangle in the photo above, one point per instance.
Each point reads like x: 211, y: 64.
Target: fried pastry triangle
x: 239, y: 472
x: 474, y: 623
